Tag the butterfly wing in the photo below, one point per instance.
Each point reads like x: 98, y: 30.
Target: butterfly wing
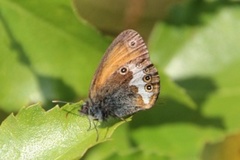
x: 126, y: 77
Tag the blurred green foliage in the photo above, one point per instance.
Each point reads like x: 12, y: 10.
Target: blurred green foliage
x: 47, y: 53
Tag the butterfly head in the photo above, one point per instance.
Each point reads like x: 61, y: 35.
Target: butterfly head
x: 92, y: 110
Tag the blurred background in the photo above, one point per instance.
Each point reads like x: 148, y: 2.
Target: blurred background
x: 49, y: 50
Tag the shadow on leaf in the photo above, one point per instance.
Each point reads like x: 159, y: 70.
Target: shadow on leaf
x: 175, y: 112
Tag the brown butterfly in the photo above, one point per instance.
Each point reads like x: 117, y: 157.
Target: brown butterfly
x: 125, y: 82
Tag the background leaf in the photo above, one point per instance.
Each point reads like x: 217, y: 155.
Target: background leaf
x: 43, y: 53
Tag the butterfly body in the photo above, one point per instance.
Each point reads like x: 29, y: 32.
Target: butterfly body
x: 125, y: 82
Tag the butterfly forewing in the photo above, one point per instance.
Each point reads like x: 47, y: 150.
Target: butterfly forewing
x: 118, y: 54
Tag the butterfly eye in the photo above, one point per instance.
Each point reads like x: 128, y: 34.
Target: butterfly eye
x: 147, y: 78
x: 148, y: 87
x: 132, y: 43
x: 123, y: 70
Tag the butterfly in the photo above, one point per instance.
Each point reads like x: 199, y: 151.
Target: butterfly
x: 125, y: 82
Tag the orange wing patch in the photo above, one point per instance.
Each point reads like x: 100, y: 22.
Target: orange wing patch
x: 117, y: 55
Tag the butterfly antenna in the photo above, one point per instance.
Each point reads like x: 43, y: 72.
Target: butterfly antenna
x: 63, y: 102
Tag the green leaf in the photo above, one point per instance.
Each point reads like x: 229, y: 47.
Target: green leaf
x: 45, y: 53
x: 58, y: 133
